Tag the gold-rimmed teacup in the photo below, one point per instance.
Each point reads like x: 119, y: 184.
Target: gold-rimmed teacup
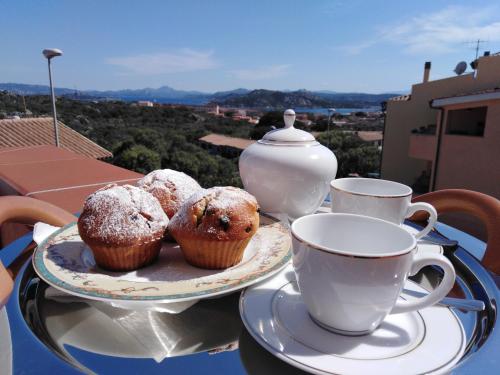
x: 383, y: 199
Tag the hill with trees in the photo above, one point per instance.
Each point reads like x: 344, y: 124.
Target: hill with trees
x: 143, y: 138
x: 241, y: 97
x: 148, y: 138
x: 269, y: 99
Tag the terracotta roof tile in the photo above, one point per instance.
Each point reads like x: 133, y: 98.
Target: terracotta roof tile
x: 223, y: 140
x: 56, y: 175
x: 370, y: 136
x: 40, y: 131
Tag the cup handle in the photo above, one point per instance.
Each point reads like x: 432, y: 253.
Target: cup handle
x: 421, y: 206
x: 421, y: 260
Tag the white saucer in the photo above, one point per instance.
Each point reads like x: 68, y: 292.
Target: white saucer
x: 431, y: 340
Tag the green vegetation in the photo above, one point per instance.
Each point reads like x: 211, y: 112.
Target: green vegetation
x: 145, y: 138
x: 267, y: 99
x: 353, y: 155
x: 268, y: 122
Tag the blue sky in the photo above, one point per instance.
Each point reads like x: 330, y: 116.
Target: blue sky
x: 362, y: 46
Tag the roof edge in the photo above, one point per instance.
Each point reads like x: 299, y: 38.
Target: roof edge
x: 467, y: 98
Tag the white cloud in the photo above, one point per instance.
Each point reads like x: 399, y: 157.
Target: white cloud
x: 357, y: 48
x: 440, y: 32
x: 184, y: 60
x: 266, y: 72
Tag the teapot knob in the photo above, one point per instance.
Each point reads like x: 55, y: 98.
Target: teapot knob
x: 289, y: 117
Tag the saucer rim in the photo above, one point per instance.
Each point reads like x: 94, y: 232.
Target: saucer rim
x: 281, y: 324
x: 444, y: 368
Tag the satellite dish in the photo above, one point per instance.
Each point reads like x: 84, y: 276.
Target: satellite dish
x: 460, y: 68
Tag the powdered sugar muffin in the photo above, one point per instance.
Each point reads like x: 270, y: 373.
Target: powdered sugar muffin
x: 214, y: 226
x: 170, y: 187
x: 123, y: 226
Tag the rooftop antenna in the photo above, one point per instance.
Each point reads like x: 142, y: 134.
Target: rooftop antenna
x: 476, y: 45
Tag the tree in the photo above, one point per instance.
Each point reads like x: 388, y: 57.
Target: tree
x: 266, y: 123
x: 146, y: 139
x: 353, y: 155
x: 138, y: 158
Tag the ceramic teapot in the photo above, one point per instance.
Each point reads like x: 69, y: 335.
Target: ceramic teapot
x: 288, y: 171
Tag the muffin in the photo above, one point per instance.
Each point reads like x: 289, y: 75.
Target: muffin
x: 170, y: 187
x: 123, y: 226
x: 214, y: 226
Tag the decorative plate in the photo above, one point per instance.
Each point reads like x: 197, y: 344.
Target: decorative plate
x: 64, y: 261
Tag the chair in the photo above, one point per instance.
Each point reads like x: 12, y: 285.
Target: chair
x: 29, y: 211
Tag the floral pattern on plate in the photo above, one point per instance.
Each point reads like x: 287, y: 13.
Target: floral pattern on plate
x: 64, y: 261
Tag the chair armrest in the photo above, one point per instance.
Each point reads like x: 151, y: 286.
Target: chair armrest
x: 479, y: 205
x: 29, y: 211
x: 6, y: 285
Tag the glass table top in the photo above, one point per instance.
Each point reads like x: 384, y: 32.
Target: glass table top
x: 51, y: 332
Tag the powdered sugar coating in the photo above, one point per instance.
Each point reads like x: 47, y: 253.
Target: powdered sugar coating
x: 170, y: 187
x: 121, y: 215
x: 201, y: 214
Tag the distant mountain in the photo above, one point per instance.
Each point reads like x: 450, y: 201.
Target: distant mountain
x: 266, y: 99
x: 23, y: 89
x: 229, y: 94
x: 326, y: 92
x: 241, y: 97
x: 161, y: 94
x: 274, y: 99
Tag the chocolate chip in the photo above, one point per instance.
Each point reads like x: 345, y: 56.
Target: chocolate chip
x: 248, y: 229
x: 199, y: 220
x: 224, y: 222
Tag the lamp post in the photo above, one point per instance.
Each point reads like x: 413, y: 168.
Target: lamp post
x: 331, y: 111
x: 49, y: 54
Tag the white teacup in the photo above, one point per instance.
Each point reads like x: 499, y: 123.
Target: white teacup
x: 351, y: 270
x: 384, y: 199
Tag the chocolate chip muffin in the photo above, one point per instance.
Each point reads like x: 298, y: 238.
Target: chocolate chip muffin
x: 123, y: 226
x: 214, y: 226
x: 170, y: 187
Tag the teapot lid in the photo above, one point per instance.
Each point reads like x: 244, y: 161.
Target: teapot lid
x: 289, y: 135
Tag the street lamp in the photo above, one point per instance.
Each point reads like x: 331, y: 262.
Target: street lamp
x: 49, y: 54
x: 331, y: 111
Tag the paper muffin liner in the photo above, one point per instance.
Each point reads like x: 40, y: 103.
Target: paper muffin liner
x: 126, y: 258
x: 212, y: 254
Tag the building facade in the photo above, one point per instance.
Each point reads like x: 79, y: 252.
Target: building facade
x: 446, y: 133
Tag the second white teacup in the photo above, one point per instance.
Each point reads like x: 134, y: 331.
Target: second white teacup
x: 387, y: 200
x: 351, y: 270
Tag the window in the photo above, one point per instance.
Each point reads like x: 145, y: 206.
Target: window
x: 469, y: 121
